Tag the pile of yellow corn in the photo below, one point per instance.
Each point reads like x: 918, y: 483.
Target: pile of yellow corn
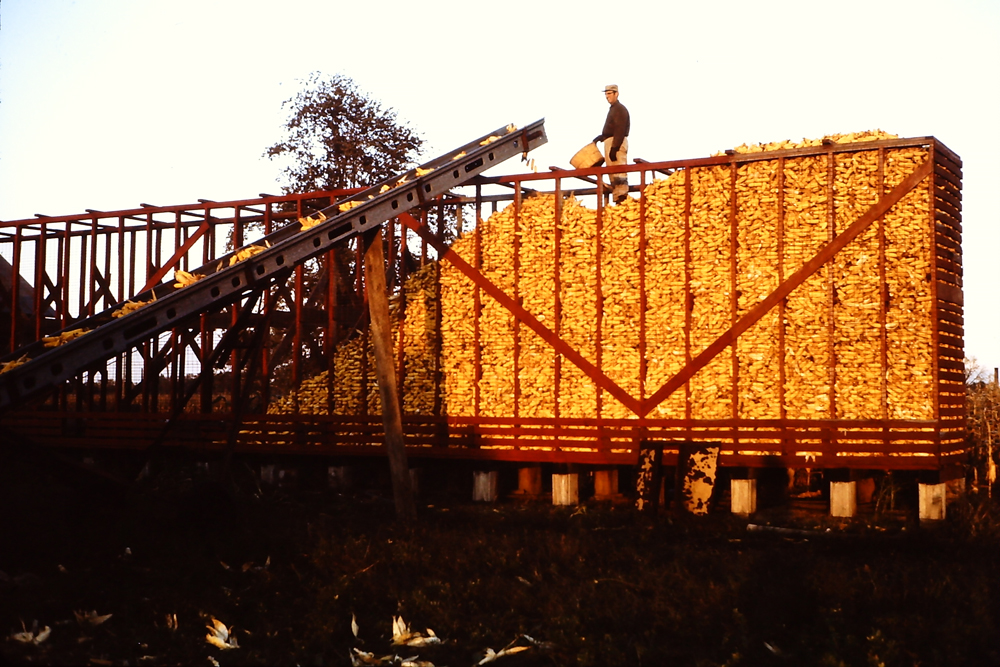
x: 833, y: 342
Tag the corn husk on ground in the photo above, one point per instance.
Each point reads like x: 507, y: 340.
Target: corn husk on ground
x: 833, y: 337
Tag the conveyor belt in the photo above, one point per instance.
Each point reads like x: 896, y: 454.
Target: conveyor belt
x: 227, y: 279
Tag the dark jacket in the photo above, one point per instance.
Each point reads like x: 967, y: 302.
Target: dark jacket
x: 616, y: 125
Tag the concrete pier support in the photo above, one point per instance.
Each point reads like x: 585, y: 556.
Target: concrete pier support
x: 484, y: 486
x: 566, y: 489
x: 932, y: 501
x: 606, y: 484
x: 743, y: 496
x: 529, y: 481
x: 843, y: 499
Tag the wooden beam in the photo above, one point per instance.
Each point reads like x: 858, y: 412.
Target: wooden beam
x: 392, y: 417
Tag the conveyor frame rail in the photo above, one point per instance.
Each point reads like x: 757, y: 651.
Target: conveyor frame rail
x: 225, y: 283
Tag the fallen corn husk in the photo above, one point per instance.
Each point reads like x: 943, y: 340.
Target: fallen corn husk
x: 460, y: 155
x: 403, y: 636
x: 90, y: 617
x: 348, y: 205
x: 33, y: 636
x: 489, y: 140
x: 424, y: 172
x: 64, y: 337
x: 490, y: 655
x: 220, y: 636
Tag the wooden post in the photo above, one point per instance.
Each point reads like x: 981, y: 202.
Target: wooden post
x: 392, y: 416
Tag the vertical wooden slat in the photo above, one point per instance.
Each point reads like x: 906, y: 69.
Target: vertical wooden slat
x: 688, y: 298
x: 517, y: 298
x: 642, y: 286
x: 557, y: 288
x: 734, y: 312
x: 478, y: 305
x: 831, y: 217
x: 65, y: 250
x: 781, y: 306
x: 883, y: 308
x: 599, y: 293
x: 15, y: 289
x: 438, y: 372
x: 40, y: 274
x: 935, y: 306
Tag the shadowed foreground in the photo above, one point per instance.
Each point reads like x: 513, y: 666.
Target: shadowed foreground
x: 286, y: 569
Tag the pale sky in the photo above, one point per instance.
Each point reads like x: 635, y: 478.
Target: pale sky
x: 108, y: 103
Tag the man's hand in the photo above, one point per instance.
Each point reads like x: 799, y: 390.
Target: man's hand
x: 613, y: 154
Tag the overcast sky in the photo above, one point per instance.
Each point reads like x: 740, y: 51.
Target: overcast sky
x: 108, y: 103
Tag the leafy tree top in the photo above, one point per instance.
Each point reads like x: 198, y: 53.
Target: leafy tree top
x: 338, y: 137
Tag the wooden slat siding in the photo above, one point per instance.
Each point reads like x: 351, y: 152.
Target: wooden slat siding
x: 945, y: 327
x: 947, y: 258
x: 950, y: 221
x: 945, y: 186
x: 942, y: 172
x: 953, y: 364
x: 949, y: 339
x: 949, y: 245
x: 951, y: 233
x: 951, y: 267
x: 948, y: 204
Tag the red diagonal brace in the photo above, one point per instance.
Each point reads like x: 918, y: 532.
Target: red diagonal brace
x: 155, y: 279
x: 549, y: 336
x: 785, y: 288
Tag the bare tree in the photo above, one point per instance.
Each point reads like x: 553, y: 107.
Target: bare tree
x: 982, y: 417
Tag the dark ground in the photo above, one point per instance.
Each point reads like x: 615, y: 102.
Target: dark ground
x: 594, y: 585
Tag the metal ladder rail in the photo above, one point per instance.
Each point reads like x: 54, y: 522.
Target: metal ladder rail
x: 224, y: 283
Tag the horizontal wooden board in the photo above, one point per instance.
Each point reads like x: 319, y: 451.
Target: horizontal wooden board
x: 943, y: 198
x: 952, y: 329
x: 950, y: 293
x: 947, y: 157
x: 940, y: 171
x: 949, y: 232
x: 950, y: 266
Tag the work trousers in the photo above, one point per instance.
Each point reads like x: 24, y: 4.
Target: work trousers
x: 619, y: 182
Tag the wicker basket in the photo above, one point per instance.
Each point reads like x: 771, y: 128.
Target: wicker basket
x: 586, y: 157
